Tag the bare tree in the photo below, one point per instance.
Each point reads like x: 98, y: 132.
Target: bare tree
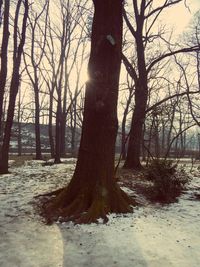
x: 4, y: 55
x: 15, y: 80
x: 61, y: 56
x: 126, y: 104
x: 35, y: 58
x: 93, y: 191
x: 146, y: 15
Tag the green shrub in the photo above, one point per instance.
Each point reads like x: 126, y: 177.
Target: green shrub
x: 167, y: 180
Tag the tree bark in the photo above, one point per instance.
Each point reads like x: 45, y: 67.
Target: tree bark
x: 133, y: 152
x: 141, y: 94
x: 93, y: 191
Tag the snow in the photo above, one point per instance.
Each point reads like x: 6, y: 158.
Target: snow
x: 152, y: 236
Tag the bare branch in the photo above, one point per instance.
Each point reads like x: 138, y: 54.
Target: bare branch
x: 183, y: 50
x: 129, y: 67
x: 132, y: 30
x: 168, y: 98
x: 160, y: 8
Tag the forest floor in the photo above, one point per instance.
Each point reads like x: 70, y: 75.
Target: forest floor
x: 153, y: 235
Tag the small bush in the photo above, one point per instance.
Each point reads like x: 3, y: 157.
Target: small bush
x: 167, y: 180
x: 48, y: 163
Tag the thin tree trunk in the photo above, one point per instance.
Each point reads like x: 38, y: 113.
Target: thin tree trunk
x: 141, y: 95
x: 171, y: 127
x: 37, y: 125
x: 133, y: 153
x: 124, y: 138
x: 62, y: 137
x: 157, y: 143
x: 64, y: 117
x: 15, y: 80
x: 143, y: 143
x: 58, y: 134
x: 72, y: 130
x: 1, y: 3
x: 19, y: 138
x: 50, y: 126
x: 4, y: 57
x: 150, y: 142
x: 163, y: 139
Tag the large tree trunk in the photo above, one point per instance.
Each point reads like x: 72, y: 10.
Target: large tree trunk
x: 4, y: 56
x: 93, y: 191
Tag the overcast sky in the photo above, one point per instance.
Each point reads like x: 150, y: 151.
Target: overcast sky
x: 179, y: 16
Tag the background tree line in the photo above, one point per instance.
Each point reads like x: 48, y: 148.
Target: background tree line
x: 44, y: 53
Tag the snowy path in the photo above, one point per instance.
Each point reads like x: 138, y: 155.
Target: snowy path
x: 152, y: 236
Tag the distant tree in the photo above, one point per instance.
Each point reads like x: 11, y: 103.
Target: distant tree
x: 126, y: 109
x: 73, y: 107
x: 62, y: 74
x: 15, y: 81
x: 93, y: 191
x: 72, y: 20
x: 33, y: 62
x: 20, y: 112
x: 19, y: 126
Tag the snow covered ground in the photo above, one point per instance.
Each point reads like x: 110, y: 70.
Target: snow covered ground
x: 152, y: 236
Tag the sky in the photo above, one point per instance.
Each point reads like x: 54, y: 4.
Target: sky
x: 179, y: 16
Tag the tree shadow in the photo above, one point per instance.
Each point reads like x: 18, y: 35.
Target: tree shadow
x: 101, y: 245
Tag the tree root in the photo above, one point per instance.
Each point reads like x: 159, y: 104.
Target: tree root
x: 50, y: 194
x: 86, y: 206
